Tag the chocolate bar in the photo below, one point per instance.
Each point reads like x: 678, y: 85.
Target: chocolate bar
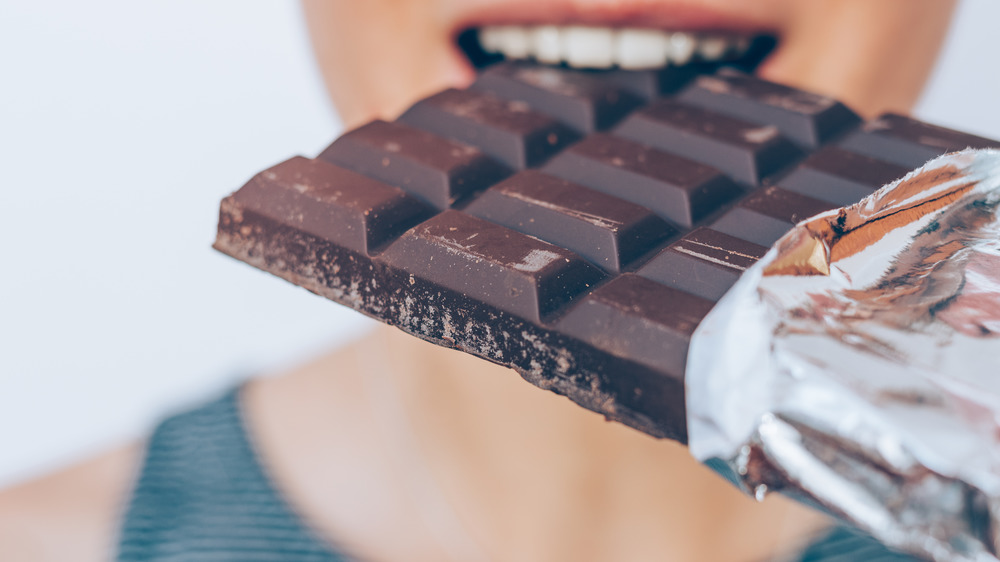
x: 575, y: 226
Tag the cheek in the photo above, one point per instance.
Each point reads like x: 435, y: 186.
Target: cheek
x: 875, y: 56
x: 363, y: 35
x: 377, y: 57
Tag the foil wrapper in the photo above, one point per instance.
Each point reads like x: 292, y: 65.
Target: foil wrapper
x: 856, y: 367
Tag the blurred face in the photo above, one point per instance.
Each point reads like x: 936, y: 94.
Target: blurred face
x: 379, y: 56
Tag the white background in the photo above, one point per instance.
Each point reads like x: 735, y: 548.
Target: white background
x: 122, y: 125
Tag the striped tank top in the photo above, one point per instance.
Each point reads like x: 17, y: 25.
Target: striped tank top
x: 203, y: 495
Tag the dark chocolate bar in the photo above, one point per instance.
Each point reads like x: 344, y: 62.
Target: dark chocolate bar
x: 576, y: 226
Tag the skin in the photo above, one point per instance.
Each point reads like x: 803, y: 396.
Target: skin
x: 874, y: 56
x: 395, y: 449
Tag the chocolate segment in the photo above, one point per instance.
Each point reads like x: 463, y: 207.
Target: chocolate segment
x: 648, y: 84
x: 677, y: 189
x: 639, y: 319
x: 436, y: 170
x: 606, y: 230
x: 509, y: 131
x: 907, y: 142
x: 588, y: 275
x: 581, y: 100
x: 332, y: 203
x: 766, y: 215
x: 840, y: 177
x: 509, y: 270
x: 806, y: 118
x: 705, y: 263
x: 745, y: 151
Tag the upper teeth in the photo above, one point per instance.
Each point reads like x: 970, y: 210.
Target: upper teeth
x: 604, y: 47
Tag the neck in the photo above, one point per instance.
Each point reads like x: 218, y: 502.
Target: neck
x: 393, y: 446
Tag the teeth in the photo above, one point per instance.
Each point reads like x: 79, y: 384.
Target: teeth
x: 712, y: 48
x: 604, y: 47
x: 642, y: 48
x: 511, y: 40
x: 588, y: 47
x: 683, y: 45
x: 741, y: 46
x: 546, y: 45
x: 489, y: 38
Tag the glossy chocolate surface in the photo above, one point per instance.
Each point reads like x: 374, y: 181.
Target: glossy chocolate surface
x: 575, y: 226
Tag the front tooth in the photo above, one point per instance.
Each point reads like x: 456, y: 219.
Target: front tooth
x: 588, y: 47
x: 712, y: 48
x: 682, y: 45
x: 545, y: 44
x: 511, y: 40
x: 489, y: 38
x: 642, y: 48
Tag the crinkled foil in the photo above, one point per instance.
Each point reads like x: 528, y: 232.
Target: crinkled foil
x: 857, y: 366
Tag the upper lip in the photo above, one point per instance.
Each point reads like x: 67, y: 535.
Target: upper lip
x: 672, y: 15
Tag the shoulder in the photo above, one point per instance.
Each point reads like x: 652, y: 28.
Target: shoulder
x: 72, y: 514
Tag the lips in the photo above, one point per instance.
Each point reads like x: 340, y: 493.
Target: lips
x: 874, y: 56
x: 602, y: 34
x: 686, y: 15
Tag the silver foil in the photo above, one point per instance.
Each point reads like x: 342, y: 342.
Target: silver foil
x: 857, y: 365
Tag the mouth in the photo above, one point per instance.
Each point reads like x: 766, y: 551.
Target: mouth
x: 623, y: 37
x: 599, y: 47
